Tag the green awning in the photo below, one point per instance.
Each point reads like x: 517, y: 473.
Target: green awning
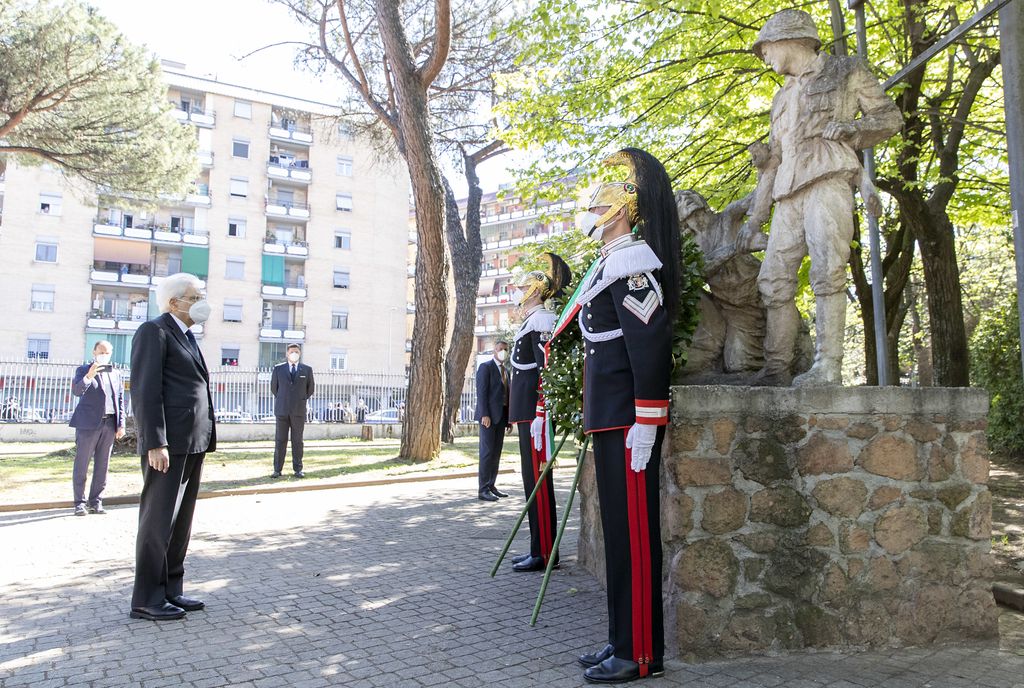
x: 273, y: 270
x: 196, y: 259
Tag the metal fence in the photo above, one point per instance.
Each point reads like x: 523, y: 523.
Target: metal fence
x: 39, y: 391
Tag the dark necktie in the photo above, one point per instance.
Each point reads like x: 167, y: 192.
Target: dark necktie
x: 293, y: 374
x: 193, y: 343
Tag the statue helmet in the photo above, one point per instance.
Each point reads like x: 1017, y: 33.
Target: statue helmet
x: 549, y: 282
x: 786, y: 25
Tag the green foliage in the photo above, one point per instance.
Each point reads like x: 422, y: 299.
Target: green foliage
x: 996, y: 366
x: 75, y: 93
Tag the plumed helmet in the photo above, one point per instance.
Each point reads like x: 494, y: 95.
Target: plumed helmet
x: 617, y: 194
x: 786, y: 25
x: 549, y: 282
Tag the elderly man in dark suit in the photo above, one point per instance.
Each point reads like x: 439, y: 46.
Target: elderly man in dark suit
x: 492, y: 413
x: 173, y: 407
x: 98, y: 420
x: 291, y: 383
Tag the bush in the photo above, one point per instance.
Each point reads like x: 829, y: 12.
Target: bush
x: 996, y: 366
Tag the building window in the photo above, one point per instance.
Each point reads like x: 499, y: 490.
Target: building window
x: 46, y: 250
x: 236, y: 228
x: 42, y: 297
x: 229, y: 355
x: 339, y: 319
x: 235, y: 269
x: 341, y: 278
x: 240, y: 148
x: 50, y: 203
x: 232, y: 311
x: 38, y: 346
x: 343, y: 201
x: 239, y: 187
x: 343, y: 239
x: 243, y: 109
x: 339, y: 359
x: 345, y: 133
x: 344, y: 166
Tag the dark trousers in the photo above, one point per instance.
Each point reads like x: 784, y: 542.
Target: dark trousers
x: 165, y: 525
x: 492, y: 440
x: 95, y: 444
x: 542, y: 511
x: 630, y: 518
x: 295, y: 424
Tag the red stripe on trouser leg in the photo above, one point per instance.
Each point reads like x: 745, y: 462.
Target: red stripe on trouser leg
x: 640, y: 617
x: 541, y: 503
x: 645, y: 554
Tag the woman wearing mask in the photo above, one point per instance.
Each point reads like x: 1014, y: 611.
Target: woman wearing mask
x: 526, y: 405
x: 625, y: 312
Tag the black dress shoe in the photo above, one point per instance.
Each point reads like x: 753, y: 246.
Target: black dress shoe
x: 275, y: 474
x: 595, y: 658
x: 519, y: 557
x: 160, y: 612
x: 300, y: 474
x: 529, y: 564
x: 487, y: 497
x: 615, y: 670
x: 498, y: 493
x: 186, y: 603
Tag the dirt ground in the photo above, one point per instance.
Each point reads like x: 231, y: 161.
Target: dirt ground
x: 1006, y: 481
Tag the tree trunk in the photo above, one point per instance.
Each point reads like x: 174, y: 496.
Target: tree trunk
x: 466, y: 251
x: 421, y: 436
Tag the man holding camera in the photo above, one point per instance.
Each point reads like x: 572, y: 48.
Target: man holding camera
x: 98, y: 420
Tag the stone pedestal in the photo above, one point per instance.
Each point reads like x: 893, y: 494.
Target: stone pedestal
x: 828, y: 517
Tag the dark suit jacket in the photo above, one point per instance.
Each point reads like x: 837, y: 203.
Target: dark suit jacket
x: 290, y: 397
x: 490, y: 393
x: 90, y: 410
x: 170, y: 389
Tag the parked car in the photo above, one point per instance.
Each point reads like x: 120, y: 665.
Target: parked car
x: 33, y: 415
x: 383, y: 417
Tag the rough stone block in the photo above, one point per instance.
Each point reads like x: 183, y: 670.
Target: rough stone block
x: 818, y: 627
x: 953, y: 495
x: 882, y: 574
x: 724, y: 511
x: 788, y: 429
x: 822, y: 454
x: 969, y: 425
x: 892, y: 422
x: 793, y: 571
x: 862, y: 431
x: 701, y: 472
x: 823, y: 422
x: 921, y: 430
x: 886, y: 494
x: 676, y: 516
x: 755, y: 600
x: 782, y: 506
x: 974, y: 521
x: 900, y: 528
x: 686, y: 437
x: 853, y: 539
x: 833, y: 584
x: 762, y: 543
x: 747, y: 631
x: 841, y: 496
x: 708, y: 566
x: 941, y: 463
x: 724, y: 431
x: 819, y: 535
x: 935, y: 520
x: 764, y: 461
x: 892, y: 457
x: 974, y: 459
x: 693, y: 626
x: 752, y: 569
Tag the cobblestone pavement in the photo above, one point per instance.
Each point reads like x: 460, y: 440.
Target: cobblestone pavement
x: 384, y: 586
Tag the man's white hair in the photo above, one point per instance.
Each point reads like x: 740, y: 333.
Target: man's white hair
x: 174, y: 287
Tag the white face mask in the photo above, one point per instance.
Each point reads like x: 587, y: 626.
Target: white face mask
x: 588, y: 225
x: 501, y: 355
x: 199, y: 311
x: 103, y: 359
x: 294, y: 358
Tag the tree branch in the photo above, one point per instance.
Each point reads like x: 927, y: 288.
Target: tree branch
x: 442, y: 44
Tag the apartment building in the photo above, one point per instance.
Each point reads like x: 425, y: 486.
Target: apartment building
x: 297, y: 227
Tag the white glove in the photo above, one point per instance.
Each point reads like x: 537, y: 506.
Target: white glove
x: 640, y: 439
x: 537, y: 432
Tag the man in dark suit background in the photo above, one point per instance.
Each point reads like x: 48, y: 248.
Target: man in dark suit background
x: 492, y: 413
x: 291, y: 383
x: 98, y: 420
x: 173, y: 407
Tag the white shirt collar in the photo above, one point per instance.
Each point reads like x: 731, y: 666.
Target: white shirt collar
x: 616, y: 243
x: 182, y: 325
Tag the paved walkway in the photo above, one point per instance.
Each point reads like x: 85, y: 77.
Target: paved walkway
x: 383, y: 586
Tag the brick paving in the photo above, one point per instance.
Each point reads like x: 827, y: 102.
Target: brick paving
x: 382, y: 586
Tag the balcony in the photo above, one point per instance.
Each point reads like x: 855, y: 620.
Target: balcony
x: 291, y: 132
x: 297, y: 172
x: 280, y: 208
x: 107, y: 229
x: 121, y: 278
x: 195, y: 115
x: 194, y: 236
x: 199, y: 195
x: 269, y: 333
x: 292, y: 290
x: 205, y: 159
x: 290, y: 249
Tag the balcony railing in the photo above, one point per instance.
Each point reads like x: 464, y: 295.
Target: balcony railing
x: 281, y: 208
x: 290, y: 290
x: 195, y: 114
x: 199, y: 194
x: 98, y: 319
x: 205, y: 158
x: 270, y: 332
x: 291, y: 132
x: 299, y: 249
x: 296, y: 171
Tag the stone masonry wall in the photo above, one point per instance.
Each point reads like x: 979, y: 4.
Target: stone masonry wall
x: 826, y: 517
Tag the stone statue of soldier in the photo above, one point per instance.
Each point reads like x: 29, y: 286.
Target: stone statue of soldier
x: 810, y: 175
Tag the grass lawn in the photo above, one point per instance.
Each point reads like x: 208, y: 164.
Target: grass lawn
x: 39, y: 473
